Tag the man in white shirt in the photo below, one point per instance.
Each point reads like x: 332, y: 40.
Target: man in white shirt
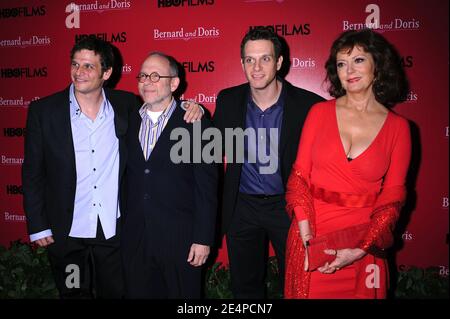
x: 75, y: 158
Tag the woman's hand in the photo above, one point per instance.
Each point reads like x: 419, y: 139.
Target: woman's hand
x: 344, y: 257
x: 305, y: 234
x: 306, y: 262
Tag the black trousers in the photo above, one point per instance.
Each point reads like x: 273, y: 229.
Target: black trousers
x: 157, y: 273
x: 255, y: 221
x: 90, y: 267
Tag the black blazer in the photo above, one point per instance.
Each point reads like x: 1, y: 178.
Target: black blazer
x: 49, y: 172
x: 169, y: 205
x: 231, y: 108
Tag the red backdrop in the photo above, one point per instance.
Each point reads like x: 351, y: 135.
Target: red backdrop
x: 204, y: 35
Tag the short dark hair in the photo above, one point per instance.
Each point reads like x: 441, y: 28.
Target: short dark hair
x: 173, y: 64
x: 262, y: 33
x: 100, y: 47
x: 390, y: 85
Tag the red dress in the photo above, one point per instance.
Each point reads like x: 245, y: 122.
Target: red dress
x: 334, y: 193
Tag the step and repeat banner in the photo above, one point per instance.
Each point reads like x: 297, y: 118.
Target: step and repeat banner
x: 204, y: 36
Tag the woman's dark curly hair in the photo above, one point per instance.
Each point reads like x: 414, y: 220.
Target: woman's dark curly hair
x: 390, y: 85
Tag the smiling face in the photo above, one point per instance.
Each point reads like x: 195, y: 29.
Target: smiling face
x: 157, y: 94
x: 86, y: 72
x: 259, y: 63
x: 355, y: 69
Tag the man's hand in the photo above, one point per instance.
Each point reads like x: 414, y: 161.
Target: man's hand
x: 44, y: 242
x: 198, y: 255
x: 193, y: 111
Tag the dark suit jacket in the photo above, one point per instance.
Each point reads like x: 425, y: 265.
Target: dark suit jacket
x: 169, y: 206
x: 49, y: 172
x: 231, y: 108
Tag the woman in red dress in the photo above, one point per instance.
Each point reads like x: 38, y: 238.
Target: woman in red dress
x: 350, y: 171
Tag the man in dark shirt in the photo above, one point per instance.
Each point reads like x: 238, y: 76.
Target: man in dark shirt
x: 272, y: 112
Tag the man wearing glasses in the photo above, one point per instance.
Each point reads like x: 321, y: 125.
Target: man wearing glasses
x: 170, y: 206
x: 253, y: 208
x: 74, y: 163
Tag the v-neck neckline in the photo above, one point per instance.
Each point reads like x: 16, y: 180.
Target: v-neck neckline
x: 368, y: 147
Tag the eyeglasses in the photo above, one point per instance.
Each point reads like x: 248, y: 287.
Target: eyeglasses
x: 154, y: 77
